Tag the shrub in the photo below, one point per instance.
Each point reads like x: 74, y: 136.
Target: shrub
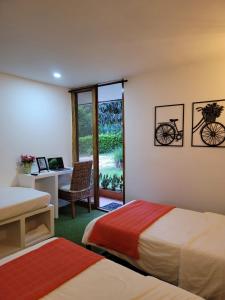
x: 105, y: 180
x: 85, y: 119
x: 107, y: 143
x: 85, y: 144
x: 111, y: 182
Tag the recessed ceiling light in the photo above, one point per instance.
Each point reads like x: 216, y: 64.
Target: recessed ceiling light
x: 57, y: 75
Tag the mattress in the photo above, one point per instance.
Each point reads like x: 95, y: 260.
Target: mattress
x: 107, y: 280
x: 15, y: 201
x: 202, y: 268
x: 160, y: 244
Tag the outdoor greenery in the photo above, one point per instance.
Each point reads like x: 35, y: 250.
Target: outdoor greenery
x: 107, y: 143
x: 114, y: 182
x: 111, y: 171
x: 85, y: 119
x: 110, y: 140
x: 86, y: 144
x: 118, y: 156
x: 109, y: 115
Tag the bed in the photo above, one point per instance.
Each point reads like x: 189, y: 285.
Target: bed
x: 107, y: 280
x: 177, y: 248
x: 26, y: 218
x: 15, y: 201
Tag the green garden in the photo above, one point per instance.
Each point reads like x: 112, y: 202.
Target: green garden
x: 110, y: 141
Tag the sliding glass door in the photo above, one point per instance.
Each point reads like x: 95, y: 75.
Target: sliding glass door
x: 85, y: 126
x: 85, y: 137
x: 98, y: 135
x: 111, y: 145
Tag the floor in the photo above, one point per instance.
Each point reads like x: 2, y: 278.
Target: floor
x: 73, y: 229
x: 104, y: 201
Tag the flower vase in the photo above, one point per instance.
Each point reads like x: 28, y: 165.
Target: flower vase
x: 27, y: 167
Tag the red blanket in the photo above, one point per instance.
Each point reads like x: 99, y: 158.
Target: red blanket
x: 39, y: 272
x: 120, y: 229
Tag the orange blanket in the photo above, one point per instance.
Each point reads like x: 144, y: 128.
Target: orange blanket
x: 120, y: 229
x: 39, y: 272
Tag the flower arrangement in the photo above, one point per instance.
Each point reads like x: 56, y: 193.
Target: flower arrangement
x: 27, y: 159
x: 26, y: 162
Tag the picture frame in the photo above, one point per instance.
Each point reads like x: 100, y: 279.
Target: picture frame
x: 169, y: 125
x: 42, y: 164
x: 208, y: 124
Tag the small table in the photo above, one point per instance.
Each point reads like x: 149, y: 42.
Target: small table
x: 47, y: 181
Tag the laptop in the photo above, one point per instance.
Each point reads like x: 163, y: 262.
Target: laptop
x: 56, y: 164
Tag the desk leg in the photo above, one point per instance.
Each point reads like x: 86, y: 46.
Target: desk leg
x: 49, y: 185
x: 56, y: 199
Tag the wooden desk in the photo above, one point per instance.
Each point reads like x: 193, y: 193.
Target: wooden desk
x: 47, y: 182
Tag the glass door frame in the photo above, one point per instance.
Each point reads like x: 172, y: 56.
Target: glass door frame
x: 75, y: 134
x: 123, y: 128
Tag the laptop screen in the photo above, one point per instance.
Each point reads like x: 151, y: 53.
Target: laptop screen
x: 55, y: 163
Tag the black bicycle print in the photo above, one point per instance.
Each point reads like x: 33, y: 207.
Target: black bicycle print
x: 167, y: 132
x: 212, y: 133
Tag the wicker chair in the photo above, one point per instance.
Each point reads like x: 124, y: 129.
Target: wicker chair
x: 80, y: 186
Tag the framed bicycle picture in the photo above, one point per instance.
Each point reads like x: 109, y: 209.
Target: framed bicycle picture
x: 208, y: 124
x: 169, y: 125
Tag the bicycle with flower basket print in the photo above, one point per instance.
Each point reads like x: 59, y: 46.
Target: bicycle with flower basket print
x: 212, y: 133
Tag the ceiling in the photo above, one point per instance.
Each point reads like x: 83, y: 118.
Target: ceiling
x: 93, y: 41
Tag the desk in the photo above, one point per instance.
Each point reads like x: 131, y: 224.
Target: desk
x: 47, y: 182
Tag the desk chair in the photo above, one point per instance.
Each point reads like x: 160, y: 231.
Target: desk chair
x: 80, y: 186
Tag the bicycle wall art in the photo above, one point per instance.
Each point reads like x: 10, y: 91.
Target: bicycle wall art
x: 208, y: 119
x: 169, y: 125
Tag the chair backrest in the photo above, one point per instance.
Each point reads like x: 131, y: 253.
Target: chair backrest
x: 81, y: 177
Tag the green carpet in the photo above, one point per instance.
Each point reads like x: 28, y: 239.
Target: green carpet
x: 73, y: 229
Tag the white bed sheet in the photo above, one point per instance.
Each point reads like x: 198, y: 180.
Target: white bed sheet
x: 202, y: 268
x: 15, y: 201
x: 160, y: 244
x: 107, y: 280
x: 186, y: 248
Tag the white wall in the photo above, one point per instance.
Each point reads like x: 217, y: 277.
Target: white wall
x: 35, y: 119
x: 186, y: 176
